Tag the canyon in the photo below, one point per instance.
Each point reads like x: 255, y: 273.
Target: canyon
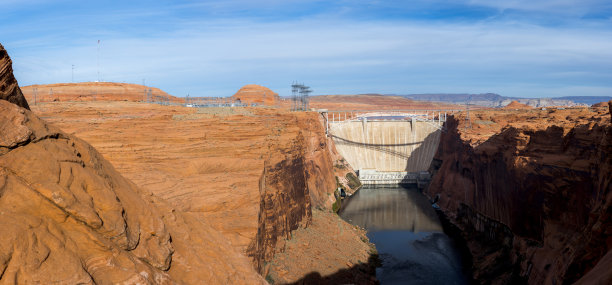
x: 104, y: 188
x: 530, y: 193
x: 258, y: 177
x: 174, y: 195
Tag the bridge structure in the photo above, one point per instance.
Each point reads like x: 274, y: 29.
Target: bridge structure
x: 387, y: 147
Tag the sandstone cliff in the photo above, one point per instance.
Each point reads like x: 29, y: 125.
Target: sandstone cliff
x: 256, y: 94
x: 284, y: 203
x: 9, y: 89
x: 95, y: 91
x: 298, y: 174
x: 532, y: 192
x: 68, y: 217
x: 66, y: 210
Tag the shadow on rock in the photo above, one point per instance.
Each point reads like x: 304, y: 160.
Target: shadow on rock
x: 363, y: 273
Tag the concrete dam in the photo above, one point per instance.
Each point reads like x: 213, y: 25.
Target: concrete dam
x: 387, y: 147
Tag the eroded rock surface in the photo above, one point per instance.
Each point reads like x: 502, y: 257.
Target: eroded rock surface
x: 9, y: 89
x: 532, y: 192
x: 285, y: 201
x: 68, y: 217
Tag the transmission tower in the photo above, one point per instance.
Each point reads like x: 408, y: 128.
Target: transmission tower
x: 468, y: 122
x: 304, y: 93
x: 295, y: 89
x: 300, y: 97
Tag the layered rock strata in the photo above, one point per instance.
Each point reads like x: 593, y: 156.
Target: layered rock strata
x: 531, y: 191
x: 285, y: 201
x: 298, y: 174
x: 68, y: 217
x: 9, y: 89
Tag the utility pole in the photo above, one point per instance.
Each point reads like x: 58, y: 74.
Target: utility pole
x: 73, y: 73
x: 98, y: 57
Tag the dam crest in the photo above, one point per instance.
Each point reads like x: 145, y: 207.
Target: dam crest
x: 387, y: 147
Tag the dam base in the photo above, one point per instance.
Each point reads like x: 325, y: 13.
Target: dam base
x: 371, y: 177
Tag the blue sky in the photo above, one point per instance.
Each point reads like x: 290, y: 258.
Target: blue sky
x: 211, y: 48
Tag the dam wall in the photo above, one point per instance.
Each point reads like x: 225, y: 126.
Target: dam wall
x: 387, y: 146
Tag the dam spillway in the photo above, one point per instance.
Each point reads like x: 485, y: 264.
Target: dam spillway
x: 387, y: 148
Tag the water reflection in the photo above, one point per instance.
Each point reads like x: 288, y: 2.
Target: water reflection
x: 391, y: 209
x: 408, y: 236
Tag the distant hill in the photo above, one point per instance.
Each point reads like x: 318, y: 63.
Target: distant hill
x: 589, y: 100
x: 497, y: 101
x: 373, y: 102
x: 95, y: 91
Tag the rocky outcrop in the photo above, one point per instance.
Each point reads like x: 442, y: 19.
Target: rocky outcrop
x: 9, y: 89
x: 66, y: 210
x: 531, y: 192
x: 298, y: 174
x: 517, y: 105
x: 68, y: 217
x: 285, y: 201
x: 256, y: 94
x: 320, y: 155
x: 96, y: 91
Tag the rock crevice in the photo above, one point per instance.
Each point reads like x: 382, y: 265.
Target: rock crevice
x: 541, y: 179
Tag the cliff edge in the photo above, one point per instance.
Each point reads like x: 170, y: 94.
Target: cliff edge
x: 531, y: 192
x: 68, y: 217
x: 9, y: 89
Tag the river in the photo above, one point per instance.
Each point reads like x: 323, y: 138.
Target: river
x: 408, y: 235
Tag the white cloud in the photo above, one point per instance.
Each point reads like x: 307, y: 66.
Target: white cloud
x: 550, y: 6
x: 336, y: 56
